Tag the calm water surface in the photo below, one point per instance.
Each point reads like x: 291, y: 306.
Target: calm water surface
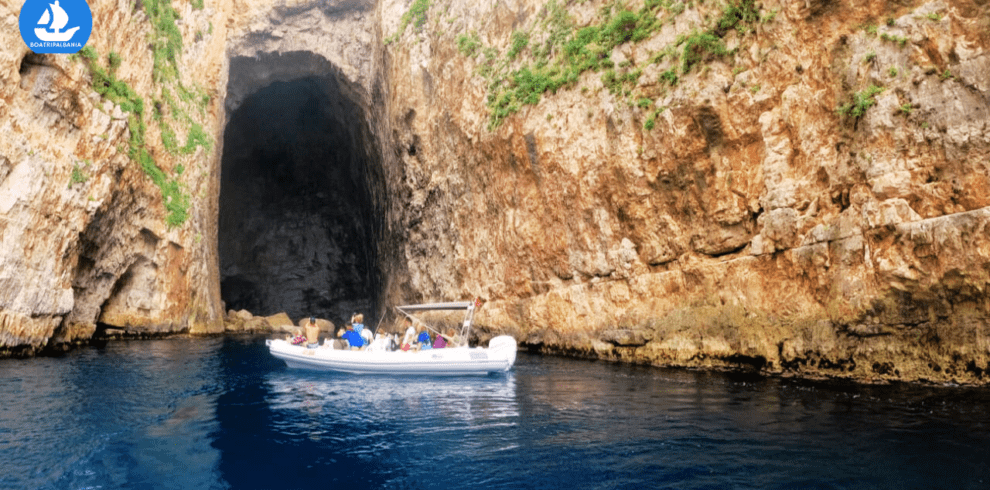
x: 220, y: 413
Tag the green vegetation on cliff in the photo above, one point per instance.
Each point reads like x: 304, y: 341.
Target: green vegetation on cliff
x: 861, y: 101
x: 554, y: 52
x: 416, y: 15
x: 165, y: 42
x: 78, y: 176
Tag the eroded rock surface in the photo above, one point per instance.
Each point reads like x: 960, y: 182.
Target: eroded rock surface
x: 718, y: 214
x: 84, y: 237
x: 752, y: 225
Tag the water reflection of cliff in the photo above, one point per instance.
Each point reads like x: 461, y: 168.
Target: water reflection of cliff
x: 580, y: 403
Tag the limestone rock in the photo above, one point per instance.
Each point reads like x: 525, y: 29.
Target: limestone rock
x: 279, y: 319
x: 233, y: 324
x: 835, y: 212
x: 257, y: 324
x: 751, y: 224
x: 324, y: 324
x: 83, y: 235
x: 625, y: 337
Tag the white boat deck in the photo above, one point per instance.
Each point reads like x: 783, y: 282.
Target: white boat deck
x: 499, y: 356
x: 458, y: 361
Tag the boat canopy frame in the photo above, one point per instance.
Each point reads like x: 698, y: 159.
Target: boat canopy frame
x: 469, y: 306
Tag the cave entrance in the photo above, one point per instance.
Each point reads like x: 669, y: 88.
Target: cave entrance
x: 297, y: 218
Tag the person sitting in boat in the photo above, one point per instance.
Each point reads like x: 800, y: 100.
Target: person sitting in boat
x: 440, y: 342
x: 312, y: 333
x: 383, y: 341
x: 357, y: 320
x: 366, y: 335
x: 353, y: 338
x: 340, y: 343
x: 374, y: 344
x: 424, y: 338
x: 453, y: 340
x: 409, y: 337
x: 297, y: 338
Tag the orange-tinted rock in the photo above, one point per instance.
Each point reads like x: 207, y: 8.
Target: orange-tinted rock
x: 752, y: 226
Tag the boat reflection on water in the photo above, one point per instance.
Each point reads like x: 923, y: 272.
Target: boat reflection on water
x: 389, y: 411
x: 370, y: 398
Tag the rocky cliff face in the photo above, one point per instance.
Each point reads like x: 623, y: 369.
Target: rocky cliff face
x: 698, y: 199
x: 797, y: 187
x: 101, y: 222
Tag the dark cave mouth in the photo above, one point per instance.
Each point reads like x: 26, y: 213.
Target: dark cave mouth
x: 296, y: 231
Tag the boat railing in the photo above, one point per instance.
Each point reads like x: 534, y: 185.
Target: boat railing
x: 469, y: 308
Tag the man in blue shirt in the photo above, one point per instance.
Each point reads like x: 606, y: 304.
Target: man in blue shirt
x: 353, y: 338
x: 424, y: 338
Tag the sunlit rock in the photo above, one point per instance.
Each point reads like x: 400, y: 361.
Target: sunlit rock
x: 814, y: 201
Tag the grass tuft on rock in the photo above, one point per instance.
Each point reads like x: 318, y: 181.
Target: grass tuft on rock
x: 560, y: 52
x: 165, y: 42
x: 861, y: 101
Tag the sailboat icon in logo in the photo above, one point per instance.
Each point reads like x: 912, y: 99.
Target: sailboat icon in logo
x: 56, y: 21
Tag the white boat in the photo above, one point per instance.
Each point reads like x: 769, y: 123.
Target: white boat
x: 498, y: 357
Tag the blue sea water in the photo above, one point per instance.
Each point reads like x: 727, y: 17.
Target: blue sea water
x: 221, y: 413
